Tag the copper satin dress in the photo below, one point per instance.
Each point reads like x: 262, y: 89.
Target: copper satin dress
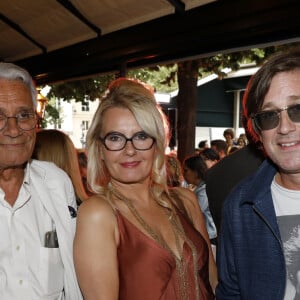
x: 147, y: 271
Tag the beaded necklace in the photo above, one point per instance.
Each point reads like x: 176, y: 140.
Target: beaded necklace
x: 181, y: 266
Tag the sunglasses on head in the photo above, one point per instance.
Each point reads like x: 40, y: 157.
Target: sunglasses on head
x: 269, y: 119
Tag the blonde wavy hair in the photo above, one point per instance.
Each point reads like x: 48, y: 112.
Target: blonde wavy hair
x: 139, y: 99
x: 55, y: 146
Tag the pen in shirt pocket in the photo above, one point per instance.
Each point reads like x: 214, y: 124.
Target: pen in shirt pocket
x: 51, y: 240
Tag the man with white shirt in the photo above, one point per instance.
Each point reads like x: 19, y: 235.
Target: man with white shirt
x: 259, y: 236
x: 37, y: 203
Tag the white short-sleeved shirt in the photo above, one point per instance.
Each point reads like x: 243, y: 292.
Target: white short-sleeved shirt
x: 28, y: 270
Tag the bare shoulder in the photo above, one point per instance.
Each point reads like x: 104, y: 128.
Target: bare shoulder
x: 187, y: 197
x: 186, y: 202
x: 96, y: 209
x: 189, y: 201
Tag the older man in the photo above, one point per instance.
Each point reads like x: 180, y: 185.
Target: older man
x: 37, y: 203
x: 263, y: 211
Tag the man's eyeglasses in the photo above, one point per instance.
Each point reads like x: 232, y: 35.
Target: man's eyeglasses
x: 269, y: 119
x: 115, y: 141
x: 25, y: 120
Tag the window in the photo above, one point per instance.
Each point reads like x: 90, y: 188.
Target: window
x: 84, y: 125
x: 85, y: 106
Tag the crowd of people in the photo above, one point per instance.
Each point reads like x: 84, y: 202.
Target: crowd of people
x: 127, y: 221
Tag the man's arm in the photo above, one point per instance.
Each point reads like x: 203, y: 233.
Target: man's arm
x: 228, y: 288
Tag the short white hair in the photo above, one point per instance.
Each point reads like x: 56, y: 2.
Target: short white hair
x: 11, y: 71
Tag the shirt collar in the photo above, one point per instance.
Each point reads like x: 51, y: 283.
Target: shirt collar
x: 27, y: 173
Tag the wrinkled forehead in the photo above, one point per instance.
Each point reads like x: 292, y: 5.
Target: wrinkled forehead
x: 14, y: 93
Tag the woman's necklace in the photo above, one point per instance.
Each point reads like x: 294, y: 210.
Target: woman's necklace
x: 181, y: 266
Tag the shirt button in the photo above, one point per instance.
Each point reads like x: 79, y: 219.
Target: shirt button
x: 20, y: 281
x: 18, y: 248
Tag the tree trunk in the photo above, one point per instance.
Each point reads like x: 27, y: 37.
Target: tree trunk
x: 187, y: 107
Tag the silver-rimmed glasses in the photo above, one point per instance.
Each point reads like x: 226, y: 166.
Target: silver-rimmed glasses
x: 25, y: 120
x: 269, y: 119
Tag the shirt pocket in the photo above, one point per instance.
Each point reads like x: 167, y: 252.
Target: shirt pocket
x: 51, y: 271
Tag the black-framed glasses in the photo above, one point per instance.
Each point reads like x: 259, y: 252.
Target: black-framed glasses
x: 269, y: 119
x: 25, y: 120
x: 116, y: 141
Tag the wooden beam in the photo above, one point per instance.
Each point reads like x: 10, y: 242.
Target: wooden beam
x: 75, y: 12
x: 213, y: 28
x: 17, y: 28
x: 178, y: 5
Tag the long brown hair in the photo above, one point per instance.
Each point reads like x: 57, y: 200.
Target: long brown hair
x: 57, y: 147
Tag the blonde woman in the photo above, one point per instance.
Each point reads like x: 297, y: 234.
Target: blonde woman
x: 132, y: 242
x: 57, y: 147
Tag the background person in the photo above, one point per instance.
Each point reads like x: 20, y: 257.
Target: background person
x: 220, y: 147
x: 228, y: 134
x: 210, y: 156
x: 82, y: 160
x: 252, y: 261
x: 55, y: 146
x: 202, y: 145
x: 245, y: 139
x: 132, y: 242
x: 233, y: 149
x: 37, y: 203
x: 226, y: 174
x: 194, y: 169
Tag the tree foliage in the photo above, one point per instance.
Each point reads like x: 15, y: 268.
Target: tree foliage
x: 187, y: 96
x: 162, y: 77
x: 52, y: 115
x: 156, y: 76
x: 81, y: 89
x: 93, y: 88
x: 165, y: 79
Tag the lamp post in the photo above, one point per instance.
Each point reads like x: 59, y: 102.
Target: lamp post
x: 40, y: 109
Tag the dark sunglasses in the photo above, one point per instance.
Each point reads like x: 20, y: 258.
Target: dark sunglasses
x: 269, y: 119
